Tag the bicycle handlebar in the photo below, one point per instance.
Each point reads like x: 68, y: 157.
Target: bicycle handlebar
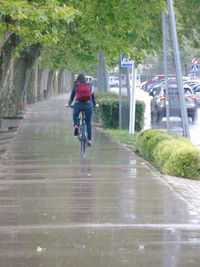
x: 71, y: 106
x: 68, y: 106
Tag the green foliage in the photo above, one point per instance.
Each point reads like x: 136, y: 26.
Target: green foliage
x: 108, y: 111
x: 184, y: 162
x: 139, y: 115
x: 163, y: 150
x: 172, y: 155
x: 72, y: 32
x: 148, y: 140
x: 187, y: 12
x: 36, y: 21
x: 152, y: 143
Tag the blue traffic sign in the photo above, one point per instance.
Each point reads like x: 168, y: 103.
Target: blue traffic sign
x: 194, y: 68
x: 125, y: 63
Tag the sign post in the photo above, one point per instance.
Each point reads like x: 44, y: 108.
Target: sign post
x: 132, y: 102
x: 127, y: 63
x: 194, y: 69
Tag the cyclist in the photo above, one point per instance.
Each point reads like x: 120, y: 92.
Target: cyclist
x: 82, y: 102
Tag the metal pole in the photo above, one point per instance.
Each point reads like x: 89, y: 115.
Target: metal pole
x: 132, y: 100
x: 164, y: 32
x: 178, y: 69
x: 120, y: 96
x: 128, y: 86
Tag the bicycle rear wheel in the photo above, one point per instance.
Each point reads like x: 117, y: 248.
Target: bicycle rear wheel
x: 83, y: 139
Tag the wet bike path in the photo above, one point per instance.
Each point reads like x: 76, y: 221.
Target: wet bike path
x: 110, y: 209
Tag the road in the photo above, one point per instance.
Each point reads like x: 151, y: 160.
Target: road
x: 194, y: 129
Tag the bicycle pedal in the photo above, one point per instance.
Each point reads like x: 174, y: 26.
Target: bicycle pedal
x: 76, y: 132
x: 89, y: 143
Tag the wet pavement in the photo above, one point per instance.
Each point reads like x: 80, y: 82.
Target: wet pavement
x: 111, y: 209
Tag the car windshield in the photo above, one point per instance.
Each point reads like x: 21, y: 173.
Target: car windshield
x: 187, y: 91
x: 173, y: 90
x: 197, y: 89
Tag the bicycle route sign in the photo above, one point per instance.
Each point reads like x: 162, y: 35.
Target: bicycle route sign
x: 125, y: 62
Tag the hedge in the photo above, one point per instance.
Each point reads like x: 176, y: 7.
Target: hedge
x: 172, y: 155
x: 108, y: 112
x: 147, y: 141
x: 184, y: 162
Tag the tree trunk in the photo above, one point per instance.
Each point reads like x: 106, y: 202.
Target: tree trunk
x: 102, y: 76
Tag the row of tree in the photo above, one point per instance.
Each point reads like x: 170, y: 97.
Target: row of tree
x: 70, y: 34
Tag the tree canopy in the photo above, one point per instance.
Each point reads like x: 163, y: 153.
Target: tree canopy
x: 71, y: 32
x: 112, y: 26
x: 189, y: 20
x: 35, y: 22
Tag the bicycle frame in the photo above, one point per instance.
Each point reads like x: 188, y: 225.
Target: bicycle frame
x: 83, y: 138
x: 82, y: 133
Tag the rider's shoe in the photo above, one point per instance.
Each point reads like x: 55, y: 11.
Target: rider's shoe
x: 76, y: 130
x: 89, y: 142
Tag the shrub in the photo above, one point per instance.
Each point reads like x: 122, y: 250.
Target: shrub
x: 139, y: 115
x: 153, y: 142
x: 184, y: 162
x: 163, y: 151
x: 105, y: 101
x: 147, y: 141
x: 108, y: 112
x: 173, y: 155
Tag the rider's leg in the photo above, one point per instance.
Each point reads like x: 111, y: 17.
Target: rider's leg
x: 88, y: 118
x: 76, y: 111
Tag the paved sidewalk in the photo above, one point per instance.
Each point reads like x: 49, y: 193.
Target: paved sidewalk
x: 110, y: 210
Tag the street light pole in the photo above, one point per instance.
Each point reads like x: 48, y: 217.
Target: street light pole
x: 164, y: 32
x: 178, y: 69
x: 120, y: 95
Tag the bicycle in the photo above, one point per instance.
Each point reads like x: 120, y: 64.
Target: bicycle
x: 83, y: 138
x: 82, y: 132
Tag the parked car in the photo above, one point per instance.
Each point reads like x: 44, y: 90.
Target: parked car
x: 196, y: 89
x: 156, y: 78
x: 158, y: 102
x: 161, y: 83
x: 114, y: 81
x: 153, y: 86
x: 192, y: 82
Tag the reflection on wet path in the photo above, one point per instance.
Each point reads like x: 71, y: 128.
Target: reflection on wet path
x: 110, y: 209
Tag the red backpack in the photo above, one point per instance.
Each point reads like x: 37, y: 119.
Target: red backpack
x: 83, y: 92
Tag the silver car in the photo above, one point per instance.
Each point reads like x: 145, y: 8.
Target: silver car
x: 197, y: 93
x: 158, y: 102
